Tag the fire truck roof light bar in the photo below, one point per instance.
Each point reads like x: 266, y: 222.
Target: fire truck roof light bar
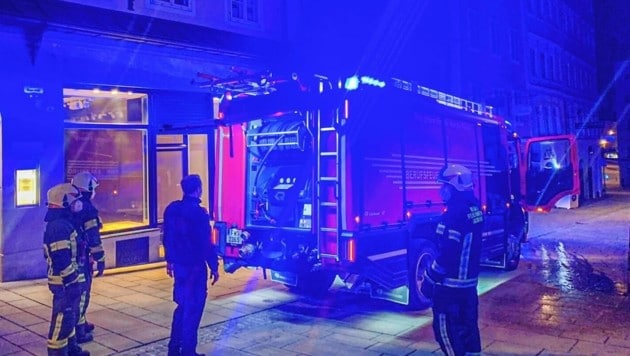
x: 445, y: 98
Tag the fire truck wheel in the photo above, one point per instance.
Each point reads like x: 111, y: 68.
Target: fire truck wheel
x: 421, y: 255
x: 512, y: 251
x: 314, y: 283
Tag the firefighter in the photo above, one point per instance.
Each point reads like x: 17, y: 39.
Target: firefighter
x: 65, y: 280
x: 453, y: 276
x: 188, y: 251
x: 89, y: 224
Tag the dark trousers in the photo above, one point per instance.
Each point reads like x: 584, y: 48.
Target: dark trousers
x: 85, y: 297
x: 455, y: 316
x: 189, y: 292
x: 65, y: 308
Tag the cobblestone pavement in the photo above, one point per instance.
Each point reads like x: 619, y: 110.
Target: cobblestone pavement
x: 568, y: 297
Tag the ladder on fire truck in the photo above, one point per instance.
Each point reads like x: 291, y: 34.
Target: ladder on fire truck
x: 328, y: 192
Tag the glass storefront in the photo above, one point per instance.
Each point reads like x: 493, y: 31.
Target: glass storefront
x: 106, y: 135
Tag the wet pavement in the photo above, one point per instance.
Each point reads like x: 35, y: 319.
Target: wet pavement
x: 567, y: 297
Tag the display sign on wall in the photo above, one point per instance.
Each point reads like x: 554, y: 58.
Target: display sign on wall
x: 27, y: 192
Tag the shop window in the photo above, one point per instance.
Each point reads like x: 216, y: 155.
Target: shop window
x: 117, y: 160
x: 104, y: 107
x: 105, y: 134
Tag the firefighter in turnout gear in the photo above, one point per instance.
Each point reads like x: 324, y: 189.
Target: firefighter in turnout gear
x: 453, y: 276
x: 65, y: 280
x: 89, y: 223
x: 189, y: 253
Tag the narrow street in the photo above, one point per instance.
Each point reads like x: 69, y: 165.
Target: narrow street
x: 565, y: 298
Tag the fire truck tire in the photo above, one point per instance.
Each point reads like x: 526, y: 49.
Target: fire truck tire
x: 422, y: 253
x: 513, y: 250
x: 314, y: 283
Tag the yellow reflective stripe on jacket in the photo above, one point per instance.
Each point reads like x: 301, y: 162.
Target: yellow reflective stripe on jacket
x: 60, y: 245
x: 90, y: 224
x: 96, y: 249
x: 68, y: 270
x: 57, y: 280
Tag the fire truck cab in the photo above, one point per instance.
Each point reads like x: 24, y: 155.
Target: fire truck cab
x: 318, y: 178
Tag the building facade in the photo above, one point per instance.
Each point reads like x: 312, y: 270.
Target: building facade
x: 533, y: 60
x: 613, y: 63
x: 114, y: 88
x: 562, y: 81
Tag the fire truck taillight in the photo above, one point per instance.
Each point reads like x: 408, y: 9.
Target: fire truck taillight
x: 408, y: 214
x: 220, y: 115
x: 351, y: 250
x: 214, y: 234
x: 357, y: 219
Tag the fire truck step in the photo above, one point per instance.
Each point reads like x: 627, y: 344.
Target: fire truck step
x: 327, y: 129
x: 327, y: 179
x: 328, y: 229
x: 326, y: 203
x: 329, y: 153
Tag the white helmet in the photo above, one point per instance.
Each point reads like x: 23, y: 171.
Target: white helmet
x: 62, y: 195
x: 456, y: 175
x: 85, y: 181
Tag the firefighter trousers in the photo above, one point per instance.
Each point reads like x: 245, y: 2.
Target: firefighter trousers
x: 85, y: 297
x: 65, y: 308
x: 189, y: 292
x: 455, y: 316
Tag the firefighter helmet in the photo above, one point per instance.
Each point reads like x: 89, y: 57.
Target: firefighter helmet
x: 85, y: 181
x: 62, y: 195
x: 456, y: 175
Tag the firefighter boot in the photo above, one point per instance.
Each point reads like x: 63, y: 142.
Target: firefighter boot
x: 89, y: 327
x: 74, y: 349
x: 83, y: 336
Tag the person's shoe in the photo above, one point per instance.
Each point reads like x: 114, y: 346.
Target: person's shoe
x: 89, y: 327
x: 85, y: 337
x: 77, y: 351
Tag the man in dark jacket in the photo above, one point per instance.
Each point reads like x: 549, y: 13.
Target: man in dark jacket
x: 454, y: 273
x: 188, y: 251
x: 65, y: 279
x: 89, y: 224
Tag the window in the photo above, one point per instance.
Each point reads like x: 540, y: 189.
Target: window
x: 104, y: 107
x: 105, y: 134
x: 532, y: 61
x: 515, y: 45
x: 176, y: 5
x: 542, y: 66
x: 244, y: 11
x: 496, y: 38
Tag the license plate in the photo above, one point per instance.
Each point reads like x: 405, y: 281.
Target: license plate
x: 234, y: 237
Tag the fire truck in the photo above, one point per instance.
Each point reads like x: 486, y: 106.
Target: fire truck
x: 319, y: 178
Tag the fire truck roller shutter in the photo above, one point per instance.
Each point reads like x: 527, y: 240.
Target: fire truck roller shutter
x: 421, y: 254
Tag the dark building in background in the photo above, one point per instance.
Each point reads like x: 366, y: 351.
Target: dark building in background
x: 612, y: 24
x: 562, y: 81
x: 533, y: 60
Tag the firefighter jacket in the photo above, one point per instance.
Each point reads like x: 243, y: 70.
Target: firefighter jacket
x: 187, y: 234
x: 61, y: 249
x: 459, y: 236
x: 90, y: 223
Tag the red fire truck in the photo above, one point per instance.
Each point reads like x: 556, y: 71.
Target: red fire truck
x: 317, y: 178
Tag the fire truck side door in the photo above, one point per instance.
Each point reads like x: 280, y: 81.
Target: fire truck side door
x: 549, y: 171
